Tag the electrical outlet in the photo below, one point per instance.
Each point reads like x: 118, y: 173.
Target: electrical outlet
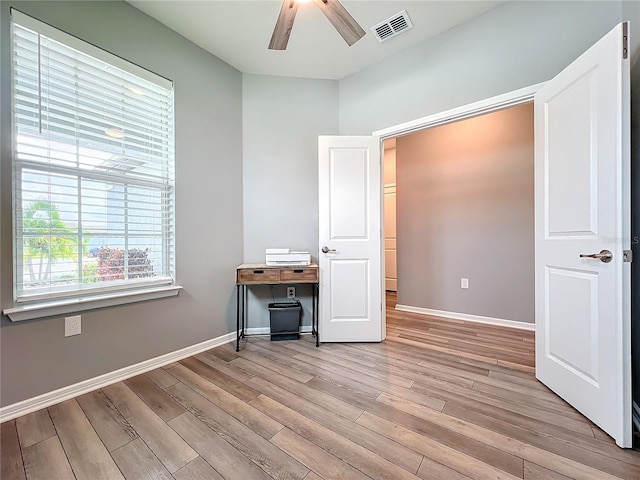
x: 464, y: 283
x: 72, y: 325
x: 291, y: 292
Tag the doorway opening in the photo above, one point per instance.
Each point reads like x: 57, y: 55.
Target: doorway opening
x: 459, y: 218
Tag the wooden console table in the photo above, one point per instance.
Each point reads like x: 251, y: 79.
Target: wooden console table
x: 257, y: 274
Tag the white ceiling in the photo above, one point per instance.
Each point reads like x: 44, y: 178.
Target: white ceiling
x: 238, y: 32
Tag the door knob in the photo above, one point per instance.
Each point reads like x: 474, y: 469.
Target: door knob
x: 605, y: 256
x: 326, y: 249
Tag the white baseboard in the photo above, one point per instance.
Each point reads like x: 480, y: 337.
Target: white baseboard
x: 267, y: 330
x: 636, y: 415
x: 65, y: 393
x: 467, y: 317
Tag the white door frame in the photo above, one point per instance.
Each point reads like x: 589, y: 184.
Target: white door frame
x: 499, y: 102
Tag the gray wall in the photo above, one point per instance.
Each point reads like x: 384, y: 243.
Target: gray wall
x: 36, y: 358
x: 465, y: 209
x: 282, y: 119
x: 512, y: 46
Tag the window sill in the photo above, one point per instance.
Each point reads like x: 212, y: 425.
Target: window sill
x: 72, y: 305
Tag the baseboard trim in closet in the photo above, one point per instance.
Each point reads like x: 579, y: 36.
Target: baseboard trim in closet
x: 467, y: 317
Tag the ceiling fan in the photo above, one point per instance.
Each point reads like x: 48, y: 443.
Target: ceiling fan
x: 342, y: 21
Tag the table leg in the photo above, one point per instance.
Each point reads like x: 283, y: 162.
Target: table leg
x: 313, y: 310
x: 237, y: 318
x: 244, y: 309
x: 316, y: 305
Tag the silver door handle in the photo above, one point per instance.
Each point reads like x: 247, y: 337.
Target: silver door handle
x: 328, y: 250
x: 605, y: 256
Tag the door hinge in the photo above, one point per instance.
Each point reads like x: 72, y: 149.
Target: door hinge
x: 625, y: 40
x: 627, y: 256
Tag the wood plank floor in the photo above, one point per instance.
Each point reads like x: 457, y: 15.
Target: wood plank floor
x: 439, y: 399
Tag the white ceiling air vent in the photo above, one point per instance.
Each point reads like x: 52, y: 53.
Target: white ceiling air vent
x: 392, y: 26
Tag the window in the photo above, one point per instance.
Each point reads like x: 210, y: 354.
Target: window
x: 93, y: 168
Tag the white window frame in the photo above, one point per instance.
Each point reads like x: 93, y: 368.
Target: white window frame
x: 37, y: 306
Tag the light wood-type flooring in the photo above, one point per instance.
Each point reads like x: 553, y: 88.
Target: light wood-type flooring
x: 439, y: 399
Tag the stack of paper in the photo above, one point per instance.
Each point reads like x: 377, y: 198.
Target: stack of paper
x: 284, y: 257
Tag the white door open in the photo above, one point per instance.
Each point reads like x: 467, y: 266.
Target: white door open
x: 350, y: 192
x: 582, y: 172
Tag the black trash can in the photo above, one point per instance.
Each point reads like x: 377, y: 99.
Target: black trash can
x: 285, y: 320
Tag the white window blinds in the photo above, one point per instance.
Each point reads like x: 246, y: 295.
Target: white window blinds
x: 93, y: 168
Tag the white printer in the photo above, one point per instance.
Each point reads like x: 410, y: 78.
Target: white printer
x: 282, y: 257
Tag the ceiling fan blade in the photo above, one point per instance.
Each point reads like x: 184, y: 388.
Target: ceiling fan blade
x: 284, y: 24
x: 342, y: 20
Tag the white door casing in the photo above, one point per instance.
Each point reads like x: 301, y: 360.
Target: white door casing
x: 351, y: 272
x: 582, y: 171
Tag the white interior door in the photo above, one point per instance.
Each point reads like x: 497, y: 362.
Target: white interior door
x: 583, y: 350
x: 350, y: 186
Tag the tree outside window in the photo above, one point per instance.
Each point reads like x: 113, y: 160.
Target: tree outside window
x: 46, y: 239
